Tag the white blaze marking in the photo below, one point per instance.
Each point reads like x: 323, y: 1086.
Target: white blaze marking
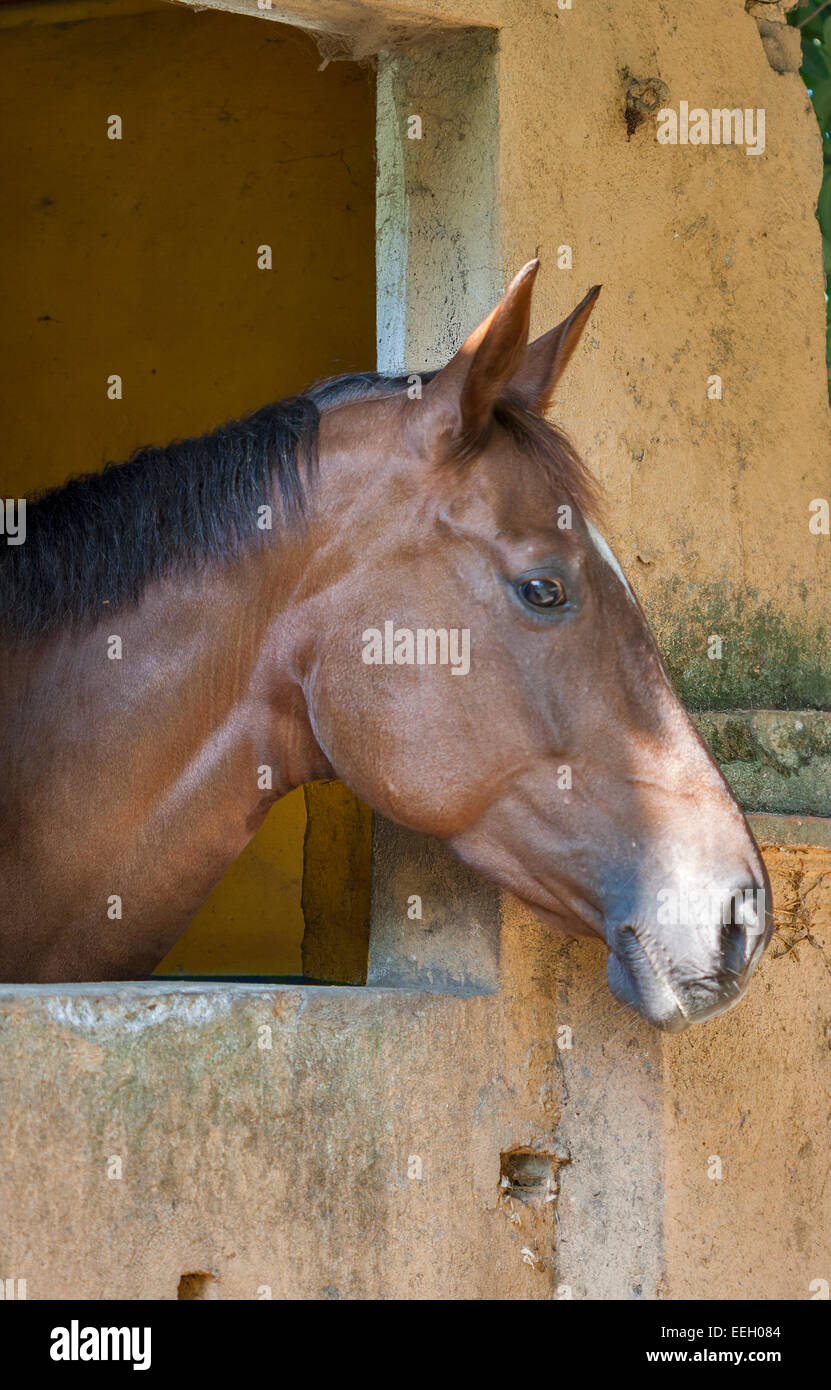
x: 605, y: 551
x: 611, y: 560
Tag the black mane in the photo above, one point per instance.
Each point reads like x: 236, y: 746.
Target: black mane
x: 101, y: 537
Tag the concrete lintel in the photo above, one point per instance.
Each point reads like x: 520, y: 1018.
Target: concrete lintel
x: 362, y: 28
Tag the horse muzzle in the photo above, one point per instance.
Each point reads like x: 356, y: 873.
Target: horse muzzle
x: 695, y: 967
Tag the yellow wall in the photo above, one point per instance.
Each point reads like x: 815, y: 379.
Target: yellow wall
x: 139, y: 257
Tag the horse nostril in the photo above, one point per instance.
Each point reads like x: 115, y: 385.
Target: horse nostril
x: 733, y: 941
x: 742, y: 925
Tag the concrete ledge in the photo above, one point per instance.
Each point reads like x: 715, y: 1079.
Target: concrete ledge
x: 251, y: 1141
x: 246, y: 1140
x: 811, y: 832
x: 775, y: 760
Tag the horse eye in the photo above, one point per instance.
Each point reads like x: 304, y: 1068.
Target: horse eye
x: 543, y: 592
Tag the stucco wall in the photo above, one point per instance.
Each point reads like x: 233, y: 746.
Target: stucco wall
x: 752, y: 1089
x: 344, y: 1143
x: 291, y: 1167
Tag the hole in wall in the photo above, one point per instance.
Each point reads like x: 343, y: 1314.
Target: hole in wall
x: 644, y: 96
x: 198, y: 1285
x: 529, y: 1176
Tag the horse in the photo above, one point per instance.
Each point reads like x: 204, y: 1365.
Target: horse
x: 184, y: 640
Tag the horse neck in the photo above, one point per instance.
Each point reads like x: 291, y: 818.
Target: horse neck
x: 208, y: 678
x: 244, y: 665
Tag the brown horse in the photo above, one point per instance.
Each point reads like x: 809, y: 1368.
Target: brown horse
x: 174, y: 663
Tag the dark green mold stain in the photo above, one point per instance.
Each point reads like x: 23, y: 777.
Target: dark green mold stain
x: 769, y: 659
x: 735, y: 741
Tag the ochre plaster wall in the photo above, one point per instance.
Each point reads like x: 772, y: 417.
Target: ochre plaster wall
x: 290, y: 1166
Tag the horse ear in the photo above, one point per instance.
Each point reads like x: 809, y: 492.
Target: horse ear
x: 458, y: 402
x: 546, y: 359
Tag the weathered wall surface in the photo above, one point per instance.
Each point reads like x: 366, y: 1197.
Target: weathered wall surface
x: 438, y: 210
x: 289, y: 1168
x: 375, y: 1143
x: 285, y: 1167
x: 752, y: 1090
x: 711, y: 263
x: 775, y: 760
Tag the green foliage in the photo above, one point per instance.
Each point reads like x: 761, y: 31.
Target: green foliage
x: 814, y: 21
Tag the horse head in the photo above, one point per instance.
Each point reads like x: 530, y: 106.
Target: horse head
x: 481, y: 670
